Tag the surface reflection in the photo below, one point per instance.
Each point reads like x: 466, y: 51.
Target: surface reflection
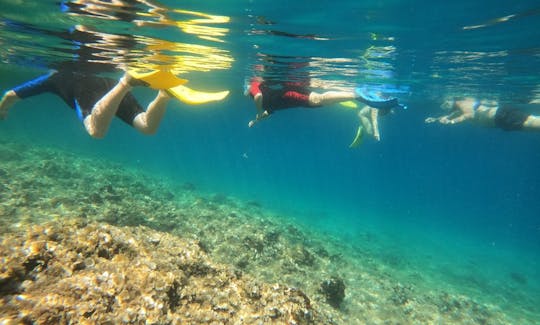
x: 108, y: 35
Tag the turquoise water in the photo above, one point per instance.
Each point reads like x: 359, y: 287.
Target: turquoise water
x: 460, y: 203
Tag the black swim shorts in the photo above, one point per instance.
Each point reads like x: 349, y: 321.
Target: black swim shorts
x: 510, y: 118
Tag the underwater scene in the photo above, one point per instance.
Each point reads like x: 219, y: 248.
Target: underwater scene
x: 269, y: 162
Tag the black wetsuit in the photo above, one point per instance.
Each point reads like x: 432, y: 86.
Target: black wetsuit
x: 80, y: 91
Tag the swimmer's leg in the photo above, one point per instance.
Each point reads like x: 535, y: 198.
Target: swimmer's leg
x: 148, y: 122
x: 330, y: 98
x: 30, y: 88
x: 532, y: 123
x: 98, y: 122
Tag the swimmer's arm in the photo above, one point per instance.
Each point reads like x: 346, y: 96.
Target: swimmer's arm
x: 445, y: 119
x: 456, y: 117
x: 464, y: 111
x: 261, y: 112
x: 258, y: 98
x: 460, y: 118
x: 431, y: 119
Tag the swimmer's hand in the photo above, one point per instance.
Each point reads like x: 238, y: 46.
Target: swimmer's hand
x: 445, y: 120
x: 258, y: 118
x: 442, y: 120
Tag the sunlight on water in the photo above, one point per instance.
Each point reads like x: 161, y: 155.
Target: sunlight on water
x: 454, y: 58
x: 108, y: 36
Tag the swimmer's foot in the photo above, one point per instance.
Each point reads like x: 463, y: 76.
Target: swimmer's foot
x: 6, y: 102
x: 129, y: 80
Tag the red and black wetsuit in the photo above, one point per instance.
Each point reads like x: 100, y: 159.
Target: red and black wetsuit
x: 281, y: 95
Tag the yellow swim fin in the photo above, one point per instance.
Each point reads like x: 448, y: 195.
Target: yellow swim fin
x: 349, y: 104
x: 195, y: 97
x: 157, y: 79
x: 358, y: 138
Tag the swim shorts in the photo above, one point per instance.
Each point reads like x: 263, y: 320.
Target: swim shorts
x: 81, y: 92
x: 510, y: 118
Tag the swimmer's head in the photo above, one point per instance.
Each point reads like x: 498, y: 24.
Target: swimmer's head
x: 449, y: 103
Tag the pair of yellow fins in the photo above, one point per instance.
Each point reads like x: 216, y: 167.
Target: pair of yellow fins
x: 164, y: 79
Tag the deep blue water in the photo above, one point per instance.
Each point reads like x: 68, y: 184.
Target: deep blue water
x: 460, y: 186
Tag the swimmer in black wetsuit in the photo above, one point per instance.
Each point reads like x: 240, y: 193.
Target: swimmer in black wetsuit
x: 95, y: 99
x: 486, y: 113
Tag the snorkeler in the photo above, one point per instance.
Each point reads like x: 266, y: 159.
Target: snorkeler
x: 368, y: 124
x: 272, y: 96
x: 97, y: 100
x: 486, y: 113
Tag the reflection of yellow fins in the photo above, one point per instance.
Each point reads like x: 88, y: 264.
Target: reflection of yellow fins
x: 194, y: 97
x: 157, y: 79
x: 349, y: 104
x: 358, y: 138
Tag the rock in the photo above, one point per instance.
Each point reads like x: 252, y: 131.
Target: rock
x: 333, y: 290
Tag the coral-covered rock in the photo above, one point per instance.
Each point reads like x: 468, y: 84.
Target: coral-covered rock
x: 78, y: 272
x: 333, y: 290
